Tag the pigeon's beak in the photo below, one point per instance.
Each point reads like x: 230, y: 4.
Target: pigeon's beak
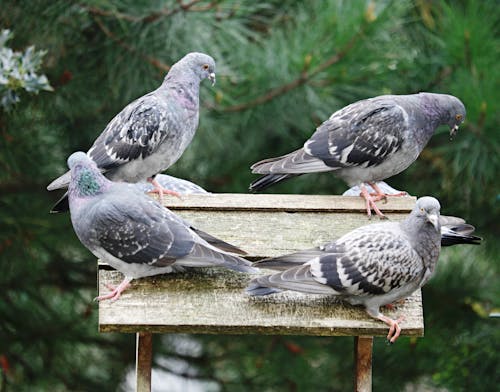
x: 434, y: 219
x: 453, y: 131
x: 212, y: 78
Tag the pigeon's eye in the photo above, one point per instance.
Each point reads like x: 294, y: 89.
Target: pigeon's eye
x: 205, y: 66
x: 422, y: 210
x: 458, y: 117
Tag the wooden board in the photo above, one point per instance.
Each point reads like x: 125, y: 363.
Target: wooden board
x: 213, y: 300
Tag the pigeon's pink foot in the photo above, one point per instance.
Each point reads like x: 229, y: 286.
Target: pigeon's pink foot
x: 370, y: 203
x: 116, y: 292
x: 394, y: 328
x: 162, y: 191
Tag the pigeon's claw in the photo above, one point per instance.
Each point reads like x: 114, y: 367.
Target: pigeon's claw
x: 116, y: 292
x: 394, y: 328
x: 370, y: 203
x: 162, y: 191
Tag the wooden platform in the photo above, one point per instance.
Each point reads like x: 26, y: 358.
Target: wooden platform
x: 213, y: 300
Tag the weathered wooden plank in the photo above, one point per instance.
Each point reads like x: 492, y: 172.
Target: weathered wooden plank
x: 282, y: 202
x: 363, y: 346
x: 213, y: 301
x: 271, y: 225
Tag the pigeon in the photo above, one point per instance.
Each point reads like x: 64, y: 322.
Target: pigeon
x: 152, y: 132
x: 179, y: 185
x: 134, y: 233
x: 373, y: 265
x: 454, y: 231
x: 367, y: 141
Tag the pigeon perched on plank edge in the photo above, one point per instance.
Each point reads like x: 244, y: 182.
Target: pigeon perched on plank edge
x: 367, y: 141
x: 134, y: 233
x: 151, y: 133
x: 373, y: 265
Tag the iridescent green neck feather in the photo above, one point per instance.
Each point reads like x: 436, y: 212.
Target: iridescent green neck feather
x: 87, y: 183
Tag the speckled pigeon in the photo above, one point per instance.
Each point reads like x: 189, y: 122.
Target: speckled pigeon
x: 152, y: 132
x: 367, y: 141
x: 134, y: 233
x: 373, y: 265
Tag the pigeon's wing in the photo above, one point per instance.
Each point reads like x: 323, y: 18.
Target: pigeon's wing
x: 459, y: 234
x: 136, y: 132
x: 362, y: 134
x: 447, y: 220
x: 369, y: 261
x: 140, y: 232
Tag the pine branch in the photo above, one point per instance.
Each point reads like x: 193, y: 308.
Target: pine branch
x: 303, y: 78
x: 150, y: 59
x: 152, y: 17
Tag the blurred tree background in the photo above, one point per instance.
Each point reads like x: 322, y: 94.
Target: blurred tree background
x: 282, y: 68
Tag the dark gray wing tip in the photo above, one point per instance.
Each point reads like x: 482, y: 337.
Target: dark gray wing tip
x: 255, y: 289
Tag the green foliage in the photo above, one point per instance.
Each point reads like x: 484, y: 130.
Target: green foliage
x: 282, y: 68
x: 18, y: 72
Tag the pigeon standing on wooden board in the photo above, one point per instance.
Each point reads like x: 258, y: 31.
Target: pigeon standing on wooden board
x: 134, y: 233
x: 151, y: 133
x: 367, y: 141
x: 373, y: 265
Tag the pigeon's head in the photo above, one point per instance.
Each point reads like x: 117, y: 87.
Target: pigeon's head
x: 202, y: 65
x: 454, y: 112
x: 86, y: 179
x: 427, y: 208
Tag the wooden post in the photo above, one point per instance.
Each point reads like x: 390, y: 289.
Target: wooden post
x: 143, y: 359
x: 363, y: 363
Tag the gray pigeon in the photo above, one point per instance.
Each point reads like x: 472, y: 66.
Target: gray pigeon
x: 373, y: 265
x: 367, y: 141
x: 454, y: 231
x: 179, y: 185
x: 152, y: 132
x: 134, y: 233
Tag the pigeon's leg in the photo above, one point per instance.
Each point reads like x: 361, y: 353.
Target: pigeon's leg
x: 380, y: 195
x: 394, y: 328
x: 115, y: 291
x: 370, y: 203
x: 161, y: 191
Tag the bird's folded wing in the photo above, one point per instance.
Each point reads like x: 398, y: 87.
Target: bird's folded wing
x: 135, y: 133
x: 362, y: 134
x: 142, y: 232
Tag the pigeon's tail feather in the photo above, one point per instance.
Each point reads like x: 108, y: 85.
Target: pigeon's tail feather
x: 60, y: 182
x: 218, y: 243
x: 268, y: 180
x: 62, y: 205
x: 282, y: 263
x: 255, y: 289
x: 205, y: 255
x: 459, y: 234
